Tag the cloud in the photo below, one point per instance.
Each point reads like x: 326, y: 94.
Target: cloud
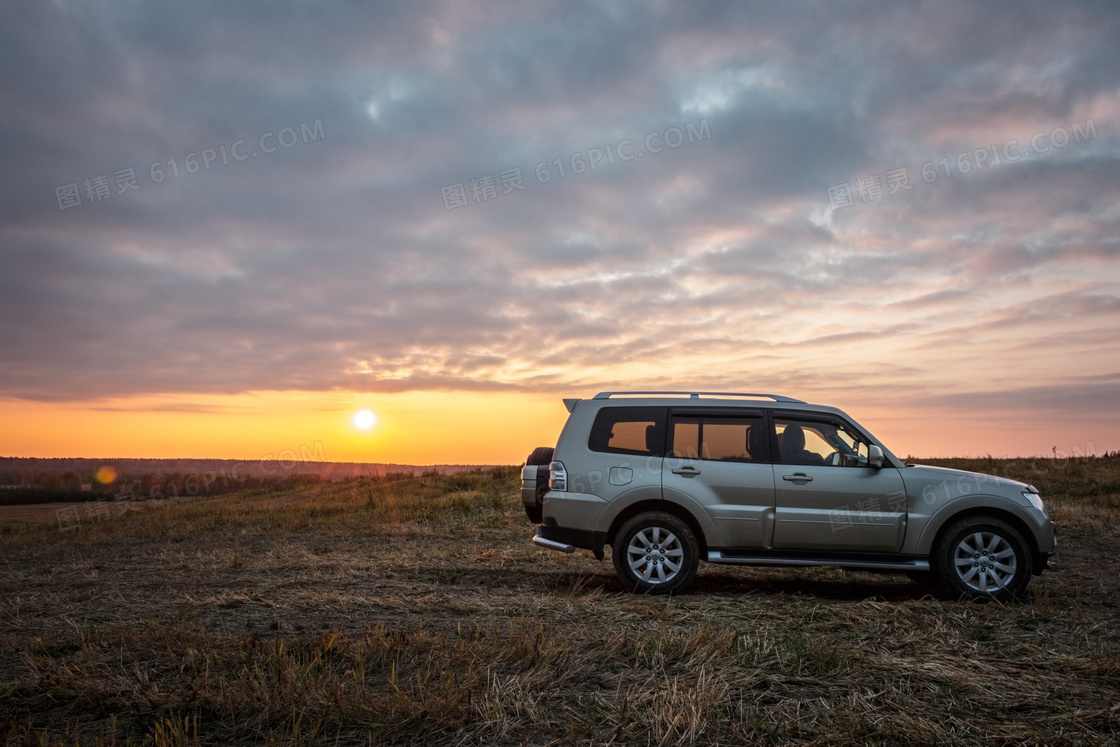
x: 1076, y: 394
x: 331, y: 261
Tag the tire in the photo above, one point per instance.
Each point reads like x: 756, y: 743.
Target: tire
x: 982, y: 558
x: 656, y: 552
x: 541, y: 455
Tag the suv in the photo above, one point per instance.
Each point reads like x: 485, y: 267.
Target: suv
x: 669, y: 478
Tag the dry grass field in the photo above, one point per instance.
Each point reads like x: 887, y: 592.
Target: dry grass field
x: 413, y: 610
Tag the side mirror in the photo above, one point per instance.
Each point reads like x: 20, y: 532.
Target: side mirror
x: 875, y: 457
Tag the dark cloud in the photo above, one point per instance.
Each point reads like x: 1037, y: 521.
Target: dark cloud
x: 1074, y: 397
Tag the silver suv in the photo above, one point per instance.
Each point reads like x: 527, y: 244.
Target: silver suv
x: 669, y: 478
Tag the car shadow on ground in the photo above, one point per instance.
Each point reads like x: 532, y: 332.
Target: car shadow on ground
x: 889, y: 588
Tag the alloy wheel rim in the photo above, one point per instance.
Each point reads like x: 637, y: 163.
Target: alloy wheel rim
x: 655, y: 555
x: 985, y: 562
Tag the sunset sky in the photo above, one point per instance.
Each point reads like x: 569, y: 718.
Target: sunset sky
x: 226, y: 228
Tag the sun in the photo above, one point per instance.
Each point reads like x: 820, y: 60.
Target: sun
x: 364, y: 419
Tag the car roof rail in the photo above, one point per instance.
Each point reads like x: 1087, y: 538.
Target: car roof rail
x: 698, y: 395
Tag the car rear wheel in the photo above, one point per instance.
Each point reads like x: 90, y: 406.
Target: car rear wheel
x: 982, y: 557
x: 656, y: 552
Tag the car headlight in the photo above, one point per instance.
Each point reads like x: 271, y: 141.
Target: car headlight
x: 1035, y: 500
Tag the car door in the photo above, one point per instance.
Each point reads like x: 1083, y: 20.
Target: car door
x: 721, y: 460
x: 827, y: 497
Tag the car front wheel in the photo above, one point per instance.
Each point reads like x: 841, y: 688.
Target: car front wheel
x: 656, y: 552
x: 983, y: 557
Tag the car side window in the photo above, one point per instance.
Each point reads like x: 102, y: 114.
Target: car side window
x: 719, y: 439
x: 629, y: 430
x: 821, y: 443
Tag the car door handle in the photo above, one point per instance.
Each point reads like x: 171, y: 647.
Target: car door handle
x: 686, y: 472
x: 800, y: 478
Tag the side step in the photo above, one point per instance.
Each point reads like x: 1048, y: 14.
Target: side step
x: 717, y: 556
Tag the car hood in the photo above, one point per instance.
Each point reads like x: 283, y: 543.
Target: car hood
x: 960, y: 481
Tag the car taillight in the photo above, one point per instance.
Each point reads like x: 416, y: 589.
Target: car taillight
x: 558, y: 476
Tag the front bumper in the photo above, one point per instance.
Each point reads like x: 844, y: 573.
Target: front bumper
x: 1049, y: 559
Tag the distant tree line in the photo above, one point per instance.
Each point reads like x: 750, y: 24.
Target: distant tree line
x: 74, y: 487
x: 25, y: 480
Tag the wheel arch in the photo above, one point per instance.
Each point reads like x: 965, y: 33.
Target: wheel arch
x: 935, y: 533
x: 645, y: 506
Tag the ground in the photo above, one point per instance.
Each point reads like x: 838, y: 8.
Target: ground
x: 414, y: 610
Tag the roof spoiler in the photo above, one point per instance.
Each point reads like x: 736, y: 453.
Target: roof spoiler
x: 571, y: 403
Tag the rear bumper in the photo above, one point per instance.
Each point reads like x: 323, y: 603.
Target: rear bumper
x: 551, y: 544
x: 567, y: 540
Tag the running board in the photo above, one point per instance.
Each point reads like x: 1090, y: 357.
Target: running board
x: 715, y: 556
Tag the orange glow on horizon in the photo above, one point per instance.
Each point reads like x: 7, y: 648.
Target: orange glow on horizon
x: 422, y: 428
x: 410, y: 428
